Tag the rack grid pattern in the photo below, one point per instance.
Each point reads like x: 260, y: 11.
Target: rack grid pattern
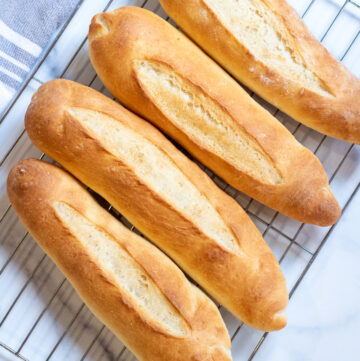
x: 41, y: 276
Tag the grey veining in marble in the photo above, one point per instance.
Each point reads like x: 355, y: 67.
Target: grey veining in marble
x: 324, y: 314
x: 41, y: 315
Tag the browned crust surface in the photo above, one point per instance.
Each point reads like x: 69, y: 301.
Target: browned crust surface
x: 337, y: 116
x: 33, y: 187
x: 248, y: 281
x: 304, y: 193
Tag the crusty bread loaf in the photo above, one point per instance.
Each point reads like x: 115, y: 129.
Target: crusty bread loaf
x: 137, y: 291
x: 182, y: 91
x: 165, y: 195
x: 266, y: 46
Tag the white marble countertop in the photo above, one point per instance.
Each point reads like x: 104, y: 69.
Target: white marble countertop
x: 324, y: 312
x: 42, y: 317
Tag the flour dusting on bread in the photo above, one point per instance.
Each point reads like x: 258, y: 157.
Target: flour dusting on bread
x: 256, y: 26
x: 204, y: 120
x: 159, y: 172
x: 124, y: 270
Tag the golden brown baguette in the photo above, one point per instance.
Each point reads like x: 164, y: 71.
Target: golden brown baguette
x: 182, y: 91
x: 138, y: 292
x: 265, y: 45
x: 165, y: 195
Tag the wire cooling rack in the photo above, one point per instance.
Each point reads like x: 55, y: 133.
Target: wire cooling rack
x: 41, y: 317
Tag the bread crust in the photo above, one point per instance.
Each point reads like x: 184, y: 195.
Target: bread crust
x: 33, y: 187
x: 248, y: 280
x: 337, y: 115
x: 303, y: 193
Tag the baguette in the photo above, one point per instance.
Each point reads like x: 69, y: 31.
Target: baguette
x: 266, y: 46
x: 164, y: 195
x: 183, y: 92
x: 131, y: 286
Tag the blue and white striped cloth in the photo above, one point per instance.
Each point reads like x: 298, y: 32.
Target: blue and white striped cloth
x: 26, y: 26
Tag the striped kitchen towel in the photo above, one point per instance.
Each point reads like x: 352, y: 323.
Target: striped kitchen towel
x: 26, y: 26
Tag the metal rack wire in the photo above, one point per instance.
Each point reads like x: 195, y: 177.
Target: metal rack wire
x: 110, y: 348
